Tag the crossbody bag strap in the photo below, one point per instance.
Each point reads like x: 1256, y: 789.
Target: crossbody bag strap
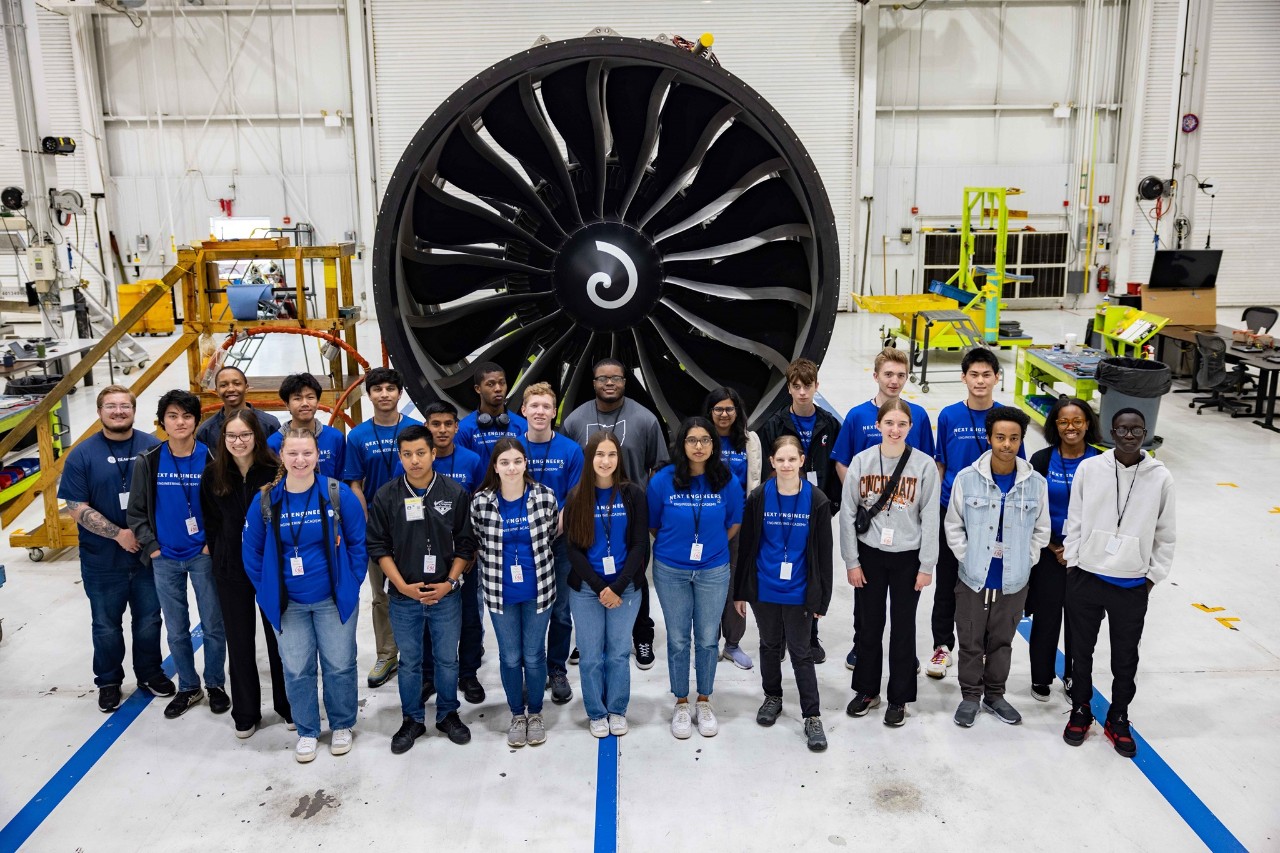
x: 893, y: 484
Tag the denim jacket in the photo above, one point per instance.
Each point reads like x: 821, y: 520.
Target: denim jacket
x: 974, y: 512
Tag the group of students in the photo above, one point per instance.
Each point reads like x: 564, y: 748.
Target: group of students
x: 554, y: 533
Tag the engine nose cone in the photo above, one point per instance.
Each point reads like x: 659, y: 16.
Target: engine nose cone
x: 608, y: 276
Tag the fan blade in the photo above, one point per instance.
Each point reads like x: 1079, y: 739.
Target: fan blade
x: 441, y: 219
x: 711, y: 361
x: 545, y: 365
x: 574, y: 389
x: 691, y: 118
x: 777, y: 270
x: 756, y: 348
x: 767, y: 211
x: 436, y: 278
x: 494, y: 325
x: 572, y: 98
x: 658, y: 378
x: 633, y: 98
x: 468, y: 162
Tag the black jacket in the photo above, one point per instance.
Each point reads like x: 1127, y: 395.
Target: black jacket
x: 632, y: 571
x: 141, y: 512
x: 444, y: 530
x: 818, y: 459
x: 818, y: 556
x: 224, y: 516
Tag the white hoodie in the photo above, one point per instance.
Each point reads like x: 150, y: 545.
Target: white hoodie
x: 1097, y: 541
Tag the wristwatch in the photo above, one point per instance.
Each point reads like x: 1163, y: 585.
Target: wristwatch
x: 454, y: 584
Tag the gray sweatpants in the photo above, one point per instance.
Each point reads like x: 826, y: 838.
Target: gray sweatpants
x: 985, y: 624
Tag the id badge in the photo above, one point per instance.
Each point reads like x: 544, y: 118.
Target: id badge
x: 517, y: 573
x: 193, y: 527
x: 998, y: 550
x: 124, y: 500
x: 886, y: 536
x: 812, y: 477
x: 695, y: 552
x: 610, y: 567
x: 786, y: 571
x: 295, y: 566
x: 429, y: 564
x: 1113, y: 545
x: 413, y: 509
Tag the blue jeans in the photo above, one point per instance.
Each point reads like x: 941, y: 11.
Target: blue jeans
x: 471, y: 638
x: 171, y: 586
x: 604, y: 642
x: 522, y: 637
x: 109, y: 591
x: 561, y: 630
x: 308, y: 629
x: 692, y: 602
x: 444, y: 620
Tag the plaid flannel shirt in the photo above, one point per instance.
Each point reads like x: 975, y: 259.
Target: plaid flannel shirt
x: 486, y: 520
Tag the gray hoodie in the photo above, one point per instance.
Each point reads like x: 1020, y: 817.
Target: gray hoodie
x: 912, y: 514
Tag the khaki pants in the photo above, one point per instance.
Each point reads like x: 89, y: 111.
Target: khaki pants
x: 383, y: 639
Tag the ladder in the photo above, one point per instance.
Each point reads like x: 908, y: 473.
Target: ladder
x: 128, y: 353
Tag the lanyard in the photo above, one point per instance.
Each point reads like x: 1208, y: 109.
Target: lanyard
x: 386, y: 458
x: 296, y: 532
x: 125, y: 470
x: 976, y: 435
x: 542, y: 469
x: 508, y: 542
x: 800, y: 433
x: 186, y: 492
x: 787, y: 520
x: 697, y: 510
x: 1120, y: 511
x: 608, y: 522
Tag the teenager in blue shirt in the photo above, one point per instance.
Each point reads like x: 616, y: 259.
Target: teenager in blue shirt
x: 301, y: 394
x: 463, y: 466
x: 695, y: 508
x: 492, y: 420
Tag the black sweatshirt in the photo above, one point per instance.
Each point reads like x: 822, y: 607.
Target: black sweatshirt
x: 224, y: 515
x: 637, y: 507
x: 444, y: 529
x: 818, y: 552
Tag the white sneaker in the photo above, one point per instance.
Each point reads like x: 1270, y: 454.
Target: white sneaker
x: 600, y: 727
x: 618, y: 725
x: 707, y: 723
x: 681, y: 722
x: 939, y: 663
x: 305, y: 751
x: 341, y: 743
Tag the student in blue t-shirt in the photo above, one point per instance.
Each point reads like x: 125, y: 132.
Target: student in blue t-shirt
x: 301, y: 395
x: 463, y: 466
x: 492, y: 420
x: 695, y: 508
x: 787, y: 576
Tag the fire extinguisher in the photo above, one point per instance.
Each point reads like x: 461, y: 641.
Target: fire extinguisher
x: 1104, y: 278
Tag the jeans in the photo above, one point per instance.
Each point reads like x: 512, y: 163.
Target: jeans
x: 561, y: 629
x: 892, y: 575
x: 471, y: 638
x: 692, y: 602
x: 171, y: 585
x: 444, y: 621
x: 1046, y: 602
x: 308, y: 629
x: 1089, y: 599
x: 522, y: 641
x: 789, y: 623
x: 604, y: 643
x: 109, y: 590
x: 240, y: 617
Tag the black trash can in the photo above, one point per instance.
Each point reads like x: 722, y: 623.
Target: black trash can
x: 32, y: 385
x: 1132, y: 383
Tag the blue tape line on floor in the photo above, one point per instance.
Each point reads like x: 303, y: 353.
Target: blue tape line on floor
x: 28, y: 820
x: 1189, y: 807
x: 607, y: 796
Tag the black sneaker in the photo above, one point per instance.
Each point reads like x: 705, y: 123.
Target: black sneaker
x: 453, y: 726
x: 861, y: 704
x: 161, y: 685
x: 182, y: 703
x: 644, y: 655
x: 472, y: 690
x: 219, y: 701
x: 402, y: 741
x: 769, y: 710
x: 1117, y: 731
x: 108, y: 698
x: 1078, y: 725
x: 1041, y: 692
x: 561, y: 692
x: 895, y: 715
x: 815, y: 737
x: 574, y: 655
x: 817, y: 653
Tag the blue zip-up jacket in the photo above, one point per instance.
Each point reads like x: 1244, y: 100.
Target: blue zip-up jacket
x: 348, y: 561
x: 974, y: 512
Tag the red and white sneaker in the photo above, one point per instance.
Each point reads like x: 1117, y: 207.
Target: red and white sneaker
x: 939, y: 663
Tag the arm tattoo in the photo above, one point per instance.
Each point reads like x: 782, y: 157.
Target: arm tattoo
x: 94, y: 521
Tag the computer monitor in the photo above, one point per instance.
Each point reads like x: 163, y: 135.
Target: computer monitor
x: 1185, y: 269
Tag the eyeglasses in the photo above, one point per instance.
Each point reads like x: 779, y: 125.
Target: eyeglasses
x: 239, y: 437
x: 609, y: 380
x: 1129, y: 432
x: 118, y: 407
x: 694, y: 441
x: 1077, y: 423
x: 723, y: 410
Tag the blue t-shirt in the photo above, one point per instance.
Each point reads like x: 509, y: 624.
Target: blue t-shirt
x: 462, y: 466
x: 736, y: 460
x: 332, y: 447
x: 962, y: 438
x: 858, y: 432
x: 373, y: 456
x: 680, y: 515
x: 804, y: 428
x: 610, y: 533
x: 1061, y: 474
x: 556, y: 464
x: 517, y: 550
x: 995, y: 572
x: 177, y: 499
x: 302, y: 535
x: 784, y: 538
x: 481, y: 441
x: 97, y: 472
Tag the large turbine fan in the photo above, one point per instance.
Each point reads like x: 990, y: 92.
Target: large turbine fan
x: 598, y: 197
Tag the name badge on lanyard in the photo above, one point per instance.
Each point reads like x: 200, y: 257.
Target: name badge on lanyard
x: 812, y: 477
x: 429, y: 564
x: 695, y: 552
x: 295, y: 566
x: 517, y: 573
x: 785, y: 570
x: 610, y: 567
x: 193, y: 527
x: 124, y: 500
x: 413, y: 509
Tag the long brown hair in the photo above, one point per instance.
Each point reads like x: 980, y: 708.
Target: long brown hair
x: 492, y: 482
x: 224, y: 462
x: 280, y: 471
x: 580, y: 506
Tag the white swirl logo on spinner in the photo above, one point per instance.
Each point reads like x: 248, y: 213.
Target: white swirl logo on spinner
x: 602, y: 279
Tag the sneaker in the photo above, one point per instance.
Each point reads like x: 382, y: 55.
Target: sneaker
x: 917, y: 666
x: 770, y: 708
x: 966, y: 713
x: 1078, y: 725
x: 574, y: 656
x: 708, y: 725
x: 518, y: 731
x: 340, y: 743
x: 291, y: 726
x: 561, y: 692
x: 681, y: 722
x: 161, y: 685
x: 851, y: 659
x: 472, y: 689
x: 305, y: 751
x: 815, y: 737
x: 644, y: 655
x: 895, y: 715
x: 382, y: 671
x: 108, y: 698
x: 736, y: 656
x: 219, y: 701
x: 600, y: 727
x: 245, y: 734
x: 618, y: 725
x: 410, y: 730
x: 1004, y: 712
x: 428, y: 690
x: 1066, y: 691
x: 182, y: 702
x: 456, y: 730
x: 861, y: 704
x: 1117, y: 731
x: 537, y: 732
x: 817, y: 653
x: 1041, y: 692
x: 939, y: 663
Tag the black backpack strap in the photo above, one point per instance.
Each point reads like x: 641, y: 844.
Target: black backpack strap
x: 893, y: 484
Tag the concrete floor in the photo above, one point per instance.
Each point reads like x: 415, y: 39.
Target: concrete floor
x: 1207, y: 703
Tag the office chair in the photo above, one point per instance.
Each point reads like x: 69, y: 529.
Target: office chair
x: 1255, y: 317
x: 1213, y: 376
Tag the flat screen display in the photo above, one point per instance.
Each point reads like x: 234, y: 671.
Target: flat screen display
x: 1185, y: 269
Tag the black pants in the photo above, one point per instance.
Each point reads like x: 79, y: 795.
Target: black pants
x: 1045, y: 602
x: 891, y: 576
x: 240, y: 617
x: 1089, y: 599
x: 642, y: 631
x: 792, y: 623
x: 732, y: 626
x: 470, y: 641
x: 945, y: 577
